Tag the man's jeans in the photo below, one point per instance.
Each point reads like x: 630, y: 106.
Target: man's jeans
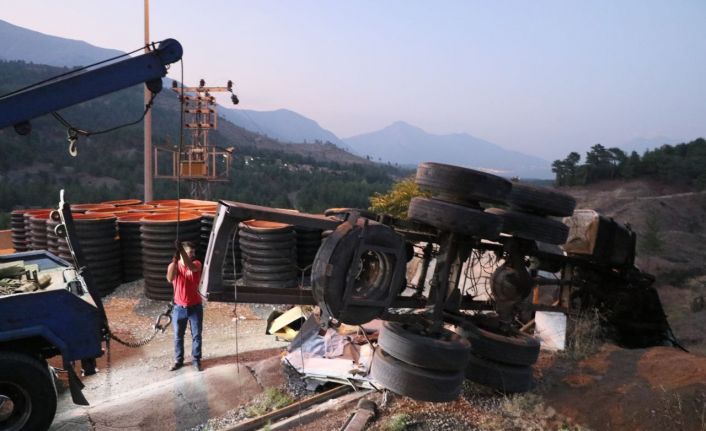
x: 180, y: 315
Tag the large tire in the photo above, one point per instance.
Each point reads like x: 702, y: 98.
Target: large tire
x: 329, y: 273
x: 462, y: 184
x: 514, y: 348
x: 454, y: 218
x: 447, y: 352
x: 415, y: 382
x: 541, y: 200
x: 532, y: 227
x: 30, y: 386
x: 506, y: 378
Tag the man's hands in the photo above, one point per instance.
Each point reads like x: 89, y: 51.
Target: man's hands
x: 177, y: 251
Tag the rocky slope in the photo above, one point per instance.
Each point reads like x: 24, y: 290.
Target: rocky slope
x: 677, y: 218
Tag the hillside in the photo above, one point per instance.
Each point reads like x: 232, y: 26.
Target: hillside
x: 32, y: 46
x: 282, y: 124
x: 33, y: 168
x: 676, y: 217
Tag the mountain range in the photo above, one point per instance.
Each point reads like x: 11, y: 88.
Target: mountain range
x: 399, y: 143
x: 19, y: 43
x: 406, y: 144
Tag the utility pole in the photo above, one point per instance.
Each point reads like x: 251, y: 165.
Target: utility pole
x: 148, y: 117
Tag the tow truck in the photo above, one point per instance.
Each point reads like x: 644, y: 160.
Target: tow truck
x: 66, y: 319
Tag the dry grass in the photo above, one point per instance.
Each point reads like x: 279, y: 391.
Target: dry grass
x: 526, y: 412
x: 272, y: 399
x: 682, y: 413
x: 583, y: 335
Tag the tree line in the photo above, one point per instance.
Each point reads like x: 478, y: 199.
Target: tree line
x: 683, y: 164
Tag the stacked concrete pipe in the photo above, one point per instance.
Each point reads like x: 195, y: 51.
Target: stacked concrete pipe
x: 38, y: 230
x: 269, y: 254
x: 98, y: 236
x: 27, y: 216
x: 131, y: 244
x: 158, y: 233
x: 20, y: 236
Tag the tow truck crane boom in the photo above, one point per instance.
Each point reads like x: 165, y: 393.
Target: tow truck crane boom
x: 17, y: 109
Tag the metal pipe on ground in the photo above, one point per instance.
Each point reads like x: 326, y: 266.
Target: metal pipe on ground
x: 291, y: 409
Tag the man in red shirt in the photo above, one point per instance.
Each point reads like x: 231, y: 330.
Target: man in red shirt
x: 184, y: 272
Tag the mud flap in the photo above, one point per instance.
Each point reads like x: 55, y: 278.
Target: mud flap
x: 75, y: 386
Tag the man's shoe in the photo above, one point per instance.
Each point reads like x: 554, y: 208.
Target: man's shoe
x: 197, y: 365
x: 176, y: 366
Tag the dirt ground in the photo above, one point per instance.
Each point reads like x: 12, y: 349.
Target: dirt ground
x: 649, y: 389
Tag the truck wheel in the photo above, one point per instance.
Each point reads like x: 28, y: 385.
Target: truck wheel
x: 446, y: 352
x: 506, y: 378
x: 462, y: 184
x: 515, y: 348
x: 541, y: 200
x: 454, y: 218
x: 373, y: 282
x: 27, y: 393
x: 415, y: 382
x: 533, y: 227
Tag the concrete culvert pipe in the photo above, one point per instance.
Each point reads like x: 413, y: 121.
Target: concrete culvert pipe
x: 308, y: 243
x: 38, y: 230
x: 19, y: 235
x: 123, y: 202
x: 269, y: 254
x: 97, y: 235
x: 158, y: 233
x: 82, y: 208
x: 26, y: 216
x: 130, y: 244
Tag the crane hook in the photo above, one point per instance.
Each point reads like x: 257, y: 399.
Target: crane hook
x: 72, y: 136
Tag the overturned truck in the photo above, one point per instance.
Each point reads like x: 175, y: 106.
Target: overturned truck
x: 484, y: 251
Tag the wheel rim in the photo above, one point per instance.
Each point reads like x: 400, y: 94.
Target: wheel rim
x: 15, y: 406
x: 372, y: 279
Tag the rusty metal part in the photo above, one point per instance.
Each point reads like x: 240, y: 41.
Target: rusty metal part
x: 258, y: 422
x: 365, y: 410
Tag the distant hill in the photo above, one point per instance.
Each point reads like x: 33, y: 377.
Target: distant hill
x: 405, y: 144
x: 283, y: 125
x: 19, y: 43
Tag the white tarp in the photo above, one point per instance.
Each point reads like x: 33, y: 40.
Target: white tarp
x: 550, y: 329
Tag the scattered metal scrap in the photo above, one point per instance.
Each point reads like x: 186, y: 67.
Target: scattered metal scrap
x: 16, y: 277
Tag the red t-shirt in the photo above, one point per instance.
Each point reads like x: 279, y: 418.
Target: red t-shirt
x: 186, y: 285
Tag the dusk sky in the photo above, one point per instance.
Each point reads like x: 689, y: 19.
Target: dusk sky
x: 541, y: 77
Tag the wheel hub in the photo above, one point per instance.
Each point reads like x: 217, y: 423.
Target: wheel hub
x: 15, y: 407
